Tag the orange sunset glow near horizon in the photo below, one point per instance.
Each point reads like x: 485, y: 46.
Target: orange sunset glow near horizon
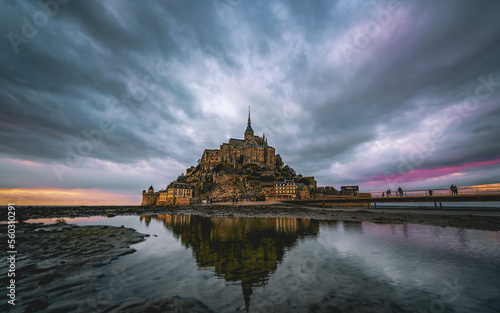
x: 60, y: 196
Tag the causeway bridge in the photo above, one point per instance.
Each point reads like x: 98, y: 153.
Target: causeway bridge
x: 436, y: 196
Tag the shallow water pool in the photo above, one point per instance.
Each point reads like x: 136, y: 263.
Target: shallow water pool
x: 302, y: 265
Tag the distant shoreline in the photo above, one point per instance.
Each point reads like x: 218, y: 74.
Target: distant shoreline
x: 429, y: 205
x: 459, y: 218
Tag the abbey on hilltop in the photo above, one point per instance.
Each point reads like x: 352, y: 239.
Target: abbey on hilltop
x: 250, y: 150
x: 241, y: 169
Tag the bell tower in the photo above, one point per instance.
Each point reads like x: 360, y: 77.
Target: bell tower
x: 249, y: 134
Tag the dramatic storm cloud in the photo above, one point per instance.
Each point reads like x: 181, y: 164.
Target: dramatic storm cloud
x: 112, y: 96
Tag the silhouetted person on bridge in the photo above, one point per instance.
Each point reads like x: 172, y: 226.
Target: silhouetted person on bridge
x: 430, y: 192
x: 454, y: 190
x: 388, y: 193
x: 400, y: 191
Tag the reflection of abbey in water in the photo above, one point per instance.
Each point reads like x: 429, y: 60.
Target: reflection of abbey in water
x: 239, y: 249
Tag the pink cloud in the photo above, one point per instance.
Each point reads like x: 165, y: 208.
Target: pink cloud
x: 427, y: 173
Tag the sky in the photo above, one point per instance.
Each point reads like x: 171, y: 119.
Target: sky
x: 101, y: 99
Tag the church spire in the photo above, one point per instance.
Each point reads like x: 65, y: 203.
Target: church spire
x: 249, y: 124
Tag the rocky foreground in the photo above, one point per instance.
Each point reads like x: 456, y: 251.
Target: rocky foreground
x: 470, y: 221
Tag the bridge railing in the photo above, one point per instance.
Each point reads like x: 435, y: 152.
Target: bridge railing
x: 438, y: 192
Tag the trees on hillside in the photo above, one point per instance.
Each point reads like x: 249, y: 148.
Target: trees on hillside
x: 252, y: 170
x: 181, y: 178
x: 226, y: 168
x: 304, y: 181
x: 279, y: 162
x: 288, y: 172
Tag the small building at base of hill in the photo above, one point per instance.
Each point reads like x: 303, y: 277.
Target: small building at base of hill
x: 150, y: 197
x: 176, y: 194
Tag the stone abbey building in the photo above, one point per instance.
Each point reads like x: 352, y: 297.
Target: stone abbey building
x: 240, y: 152
x: 237, y: 152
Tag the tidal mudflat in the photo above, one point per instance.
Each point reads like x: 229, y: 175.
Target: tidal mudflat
x: 474, y: 218
x: 59, y: 265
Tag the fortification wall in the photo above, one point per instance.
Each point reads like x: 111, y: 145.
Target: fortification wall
x: 149, y: 198
x: 177, y: 201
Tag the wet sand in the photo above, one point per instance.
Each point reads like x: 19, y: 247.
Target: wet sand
x: 58, y: 267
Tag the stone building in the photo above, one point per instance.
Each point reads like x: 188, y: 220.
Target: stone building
x: 150, y: 197
x: 302, y: 192
x: 180, y: 190
x: 312, y: 182
x: 177, y: 193
x: 240, y: 152
x: 285, y: 190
